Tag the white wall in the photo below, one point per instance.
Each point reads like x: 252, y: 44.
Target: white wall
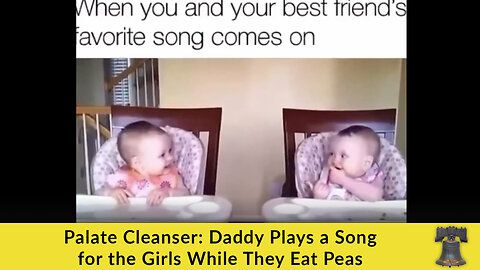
x: 401, y: 139
x: 253, y: 92
x: 90, y: 82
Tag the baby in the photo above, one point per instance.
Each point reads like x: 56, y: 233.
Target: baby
x: 352, y: 172
x: 150, y: 171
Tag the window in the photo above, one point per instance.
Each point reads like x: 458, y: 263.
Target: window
x: 139, y: 88
x: 121, y: 91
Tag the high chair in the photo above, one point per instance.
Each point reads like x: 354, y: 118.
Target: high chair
x: 306, y: 134
x: 305, y: 153
x: 187, y: 127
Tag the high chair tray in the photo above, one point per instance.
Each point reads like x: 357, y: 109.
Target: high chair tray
x: 315, y: 210
x: 91, y: 208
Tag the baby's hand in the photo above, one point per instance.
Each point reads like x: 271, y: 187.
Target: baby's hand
x: 121, y: 195
x: 156, y: 196
x: 321, y: 190
x: 337, y: 176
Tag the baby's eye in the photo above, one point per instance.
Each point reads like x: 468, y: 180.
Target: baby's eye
x: 344, y: 156
x: 162, y: 155
x: 331, y: 154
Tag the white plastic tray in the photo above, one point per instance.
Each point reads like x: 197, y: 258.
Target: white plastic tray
x: 314, y: 210
x: 173, y: 209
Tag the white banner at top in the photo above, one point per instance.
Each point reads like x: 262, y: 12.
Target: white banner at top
x: 241, y: 29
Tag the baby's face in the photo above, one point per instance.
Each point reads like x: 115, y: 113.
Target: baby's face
x: 155, y: 154
x: 351, y: 154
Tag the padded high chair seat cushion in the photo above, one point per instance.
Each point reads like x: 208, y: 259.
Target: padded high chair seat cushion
x: 311, y: 153
x: 187, y: 152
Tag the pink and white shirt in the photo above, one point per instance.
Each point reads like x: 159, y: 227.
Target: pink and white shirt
x: 141, y: 186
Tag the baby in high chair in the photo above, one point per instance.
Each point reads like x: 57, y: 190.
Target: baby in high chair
x: 150, y: 170
x: 352, y: 172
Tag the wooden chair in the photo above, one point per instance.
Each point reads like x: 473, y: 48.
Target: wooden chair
x: 308, y: 122
x: 195, y: 120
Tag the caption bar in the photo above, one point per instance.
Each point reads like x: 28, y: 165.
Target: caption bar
x: 231, y: 246
x: 242, y: 28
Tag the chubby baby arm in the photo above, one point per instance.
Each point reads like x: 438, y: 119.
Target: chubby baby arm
x: 156, y: 196
x: 365, y: 191
x: 179, y: 189
x: 117, y: 188
x: 321, y: 190
x: 120, y: 194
